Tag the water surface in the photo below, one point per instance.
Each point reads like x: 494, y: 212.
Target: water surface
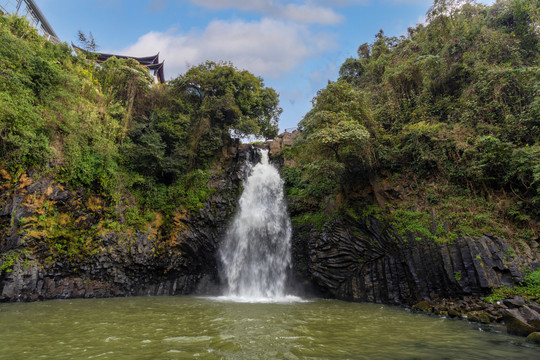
x: 190, y: 327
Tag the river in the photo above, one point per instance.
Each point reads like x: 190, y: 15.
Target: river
x: 214, y: 328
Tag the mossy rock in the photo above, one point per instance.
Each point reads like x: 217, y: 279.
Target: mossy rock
x: 534, y: 337
x: 424, y: 306
x: 479, y: 316
x: 516, y: 324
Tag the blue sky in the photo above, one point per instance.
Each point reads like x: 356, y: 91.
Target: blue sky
x: 296, y: 46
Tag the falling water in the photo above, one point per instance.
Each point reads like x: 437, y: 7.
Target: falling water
x: 256, y: 251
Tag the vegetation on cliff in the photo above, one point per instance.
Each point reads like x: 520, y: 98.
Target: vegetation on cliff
x: 137, y: 151
x: 437, y: 131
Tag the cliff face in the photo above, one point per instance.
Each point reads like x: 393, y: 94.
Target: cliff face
x: 159, y: 261
x: 360, y: 260
x: 350, y: 259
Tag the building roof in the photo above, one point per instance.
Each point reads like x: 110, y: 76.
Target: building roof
x: 31, y: 11
x: 151, y: 62
x: 146, y: 60
x: 44, y: 23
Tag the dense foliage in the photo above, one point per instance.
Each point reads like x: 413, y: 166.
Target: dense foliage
x: 106, y: 127
x: 53, y: 115
x: 178, y: 130
x: 137, y: 156
x: 447, y: 117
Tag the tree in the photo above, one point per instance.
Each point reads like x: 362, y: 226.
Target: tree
x: 339, y: 122
x: 183, y: 126
x: 87, y: 42
x: 351, y: 70
x: 229, y: 99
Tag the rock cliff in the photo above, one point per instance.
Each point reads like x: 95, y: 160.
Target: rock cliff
x: 361, y: 260
x: 166, y: 259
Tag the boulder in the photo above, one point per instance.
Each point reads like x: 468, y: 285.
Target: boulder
x: 534, y: 337
x: 424, y: 306
x: 514, y: 303
x: 479, y: 316
x: 522, y: 321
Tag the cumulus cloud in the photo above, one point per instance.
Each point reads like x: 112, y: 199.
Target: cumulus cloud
x: 309, y: 14
x: 268, y: 48
x: 305, y: 12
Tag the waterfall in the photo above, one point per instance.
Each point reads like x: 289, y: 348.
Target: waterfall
x: 256, y: 251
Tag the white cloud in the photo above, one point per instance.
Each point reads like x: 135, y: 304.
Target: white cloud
x: 259, y: 5
x: 306, y: 12
x: 269, y: 48
x: 310, y: 14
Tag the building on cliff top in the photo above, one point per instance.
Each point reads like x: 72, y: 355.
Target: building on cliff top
x: 30, y: 10
x: 150, y: 62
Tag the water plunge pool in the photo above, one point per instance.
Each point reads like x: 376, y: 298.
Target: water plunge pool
x: 206, y: 328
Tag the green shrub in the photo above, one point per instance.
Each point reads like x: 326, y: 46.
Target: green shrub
x: 529, y: 289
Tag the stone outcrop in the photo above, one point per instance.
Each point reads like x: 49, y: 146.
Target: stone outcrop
x: 520, y: 316
x: 139, y: 263
x: 534, y: 337
x: 360, y: 260
x: 521, y: 319
x: 284, y: 139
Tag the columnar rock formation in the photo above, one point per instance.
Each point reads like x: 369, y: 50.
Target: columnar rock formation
x: 360, y: 260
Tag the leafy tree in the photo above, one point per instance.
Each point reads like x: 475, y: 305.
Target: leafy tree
x: 454, y: 105
x: 339, y: 121
x: 180, y: 128
x: 230, y: 99
x: 124, y: 81
x: 87, y: 42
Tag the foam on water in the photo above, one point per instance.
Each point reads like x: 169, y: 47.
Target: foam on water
x: 287, y: 299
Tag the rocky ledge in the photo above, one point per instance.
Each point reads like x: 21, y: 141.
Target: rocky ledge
x: 521, y: 317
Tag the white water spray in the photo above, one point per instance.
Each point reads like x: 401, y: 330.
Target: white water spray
x: 256, y: 251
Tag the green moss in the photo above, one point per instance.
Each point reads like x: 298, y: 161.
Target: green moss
x: 411, y: 223
x: 317, y: 220
x: 61, y: 233
x: 8, y: 260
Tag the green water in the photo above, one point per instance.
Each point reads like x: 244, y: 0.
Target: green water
x: 189, y: 327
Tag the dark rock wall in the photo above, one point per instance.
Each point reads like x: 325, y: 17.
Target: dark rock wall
x: 351, y: 259
x: 360, y: 260
x: 128, y: 264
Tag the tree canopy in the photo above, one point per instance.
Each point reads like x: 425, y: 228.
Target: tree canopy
x: 454, y: 107
x: 230, y: 99
x: 110, y: 128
